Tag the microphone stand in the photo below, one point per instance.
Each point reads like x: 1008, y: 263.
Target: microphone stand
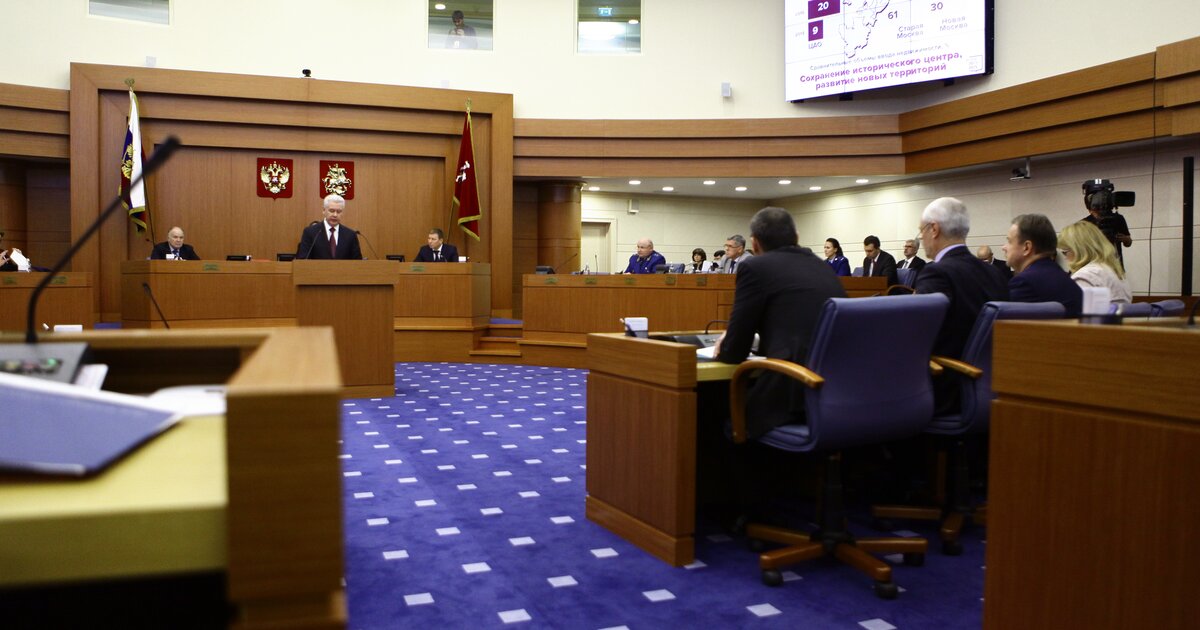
x: 161, y: 155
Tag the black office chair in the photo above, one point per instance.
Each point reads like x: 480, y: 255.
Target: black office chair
x: 973, y: 373
x: 842, y: 411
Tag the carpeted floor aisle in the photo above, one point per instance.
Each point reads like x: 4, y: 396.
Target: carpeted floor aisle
x: 464, y: 498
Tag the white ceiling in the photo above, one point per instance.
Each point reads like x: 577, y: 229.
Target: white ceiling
x: 757, y: 188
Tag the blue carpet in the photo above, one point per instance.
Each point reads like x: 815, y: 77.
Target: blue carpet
x: 502, y: 320
x: 464, y: 507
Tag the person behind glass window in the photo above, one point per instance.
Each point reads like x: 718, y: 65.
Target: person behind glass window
x: 461, y: 35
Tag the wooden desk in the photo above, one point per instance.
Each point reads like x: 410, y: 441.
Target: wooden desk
x: 561, y: 310
x: 1094, y: 477
x: 257, y: 493
x: 208, y: 293
x: 641, y: 441
x: 68, y: 299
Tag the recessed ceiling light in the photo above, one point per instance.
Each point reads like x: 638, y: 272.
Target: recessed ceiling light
x: 709, y: 182
x: 634, y: 182
x: 594, y: 188
x: 668, y: 189
x: 814, y: 188
x: 740, y: 189
x: 440, y: 7
x: 862, y: 181
x: 784, y: 182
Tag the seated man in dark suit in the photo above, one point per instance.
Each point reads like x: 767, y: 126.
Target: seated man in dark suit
x: 329, y: 239
x: 1031, y: 248
x: 911, y: 259
x: 984, y: 253
x: 779, y: 295
x: 878, y: 262
x: 437, y: 249
x: 955, y: 273
x: 174, y: 248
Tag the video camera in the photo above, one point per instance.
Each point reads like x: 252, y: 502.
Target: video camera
x: 1101, y: 195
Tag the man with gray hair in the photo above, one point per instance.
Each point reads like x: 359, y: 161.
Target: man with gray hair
x: 735, y: 254
x: 329, y: 239
x: 955, y: 272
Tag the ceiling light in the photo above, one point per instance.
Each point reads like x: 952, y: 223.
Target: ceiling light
x: 814, y: 188
x: 634, y: 182
x: 709, y: 182
x: 784, y: 182
x: 740, y: 189
x: 440, y: 7
x: 633, y: 21
x: 594, y: 188
x: 862, y: 181
x: 668, y: 189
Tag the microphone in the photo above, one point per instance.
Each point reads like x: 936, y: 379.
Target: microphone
x: 569, y: 258
x: 1192, y: 317
x: 312, y: 244
x: 160, y: 157
x: 597, y: 260
x: 150, y: 294
x: 364, y: 238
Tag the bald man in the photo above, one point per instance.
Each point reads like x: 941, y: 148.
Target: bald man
x: 646, y: 260
x: 984, y: 253
x: 174, y: 248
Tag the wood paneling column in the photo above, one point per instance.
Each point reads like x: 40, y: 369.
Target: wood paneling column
x: 559, y: 225
x: 13, y: 217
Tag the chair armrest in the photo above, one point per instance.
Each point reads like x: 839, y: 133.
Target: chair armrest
x: 741, y: 378
x: 935, y: 368
x: 900, y: 289
x: 962, y: 367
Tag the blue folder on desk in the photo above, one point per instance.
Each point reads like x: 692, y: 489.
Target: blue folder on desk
x: 56, y: 429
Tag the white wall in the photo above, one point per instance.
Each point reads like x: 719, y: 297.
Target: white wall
x: 677, y: 225
x: 892, y: 212
x: 689, y: 48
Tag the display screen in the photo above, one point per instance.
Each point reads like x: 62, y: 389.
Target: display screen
x: 840, y: 46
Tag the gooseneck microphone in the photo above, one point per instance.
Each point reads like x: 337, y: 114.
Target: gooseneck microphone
x: 312, y: 242
x: 364, y: 238
x: 150, y: 294
x: 160, y: 157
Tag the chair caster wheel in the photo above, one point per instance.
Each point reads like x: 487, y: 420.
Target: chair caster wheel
x: 771, y: 577
x: 886, y: 590
x: 756, y: 545
x: 952, y: 548
x: 914, y: 559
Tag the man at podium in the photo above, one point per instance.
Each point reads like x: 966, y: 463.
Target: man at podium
x: 174, y: 248
x: 329, y: 239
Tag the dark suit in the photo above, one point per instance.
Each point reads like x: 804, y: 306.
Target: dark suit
x: 314, y: 243
x: 885, y: 265
x: 969, y: 283
x: 162, y: 250
x: 449, y: 254
x: 779, y: 295
x: 1045, y: 281
x: 916, y: 264
x: 1002, y: 265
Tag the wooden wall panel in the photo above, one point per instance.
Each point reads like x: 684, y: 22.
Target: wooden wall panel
x: 48, y: 212
x: 12, y: 206
x: 525, y: 237
x: 404, y: 143
x: 33, y: 122
x: 709, y: 167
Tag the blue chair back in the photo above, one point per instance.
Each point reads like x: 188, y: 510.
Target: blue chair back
x: 1167, y: 308
x: 857, y: 273
x: 891, y: 396
x: 906, y: 276
x: 976, y: 394
x: 1137, y: 309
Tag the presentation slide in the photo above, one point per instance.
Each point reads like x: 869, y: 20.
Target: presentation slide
x: 838, y: 46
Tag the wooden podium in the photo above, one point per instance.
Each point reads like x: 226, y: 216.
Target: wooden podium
x: 1094, y: 477
x: 255, y: 493
x: 355, y: 298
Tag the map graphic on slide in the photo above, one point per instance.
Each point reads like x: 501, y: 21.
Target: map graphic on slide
x: 858, y: 20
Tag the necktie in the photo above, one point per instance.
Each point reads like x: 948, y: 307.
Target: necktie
x: 332, y: 243
x: 732, y: 266
x: 437, y: 256
x: 904, y: 265
x: 175, y: 253
x: 871, y: 268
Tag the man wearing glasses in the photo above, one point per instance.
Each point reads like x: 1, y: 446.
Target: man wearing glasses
x: 954, y: 271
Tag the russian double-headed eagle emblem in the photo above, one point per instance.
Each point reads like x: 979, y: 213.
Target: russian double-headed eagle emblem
x: 275, y: 177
